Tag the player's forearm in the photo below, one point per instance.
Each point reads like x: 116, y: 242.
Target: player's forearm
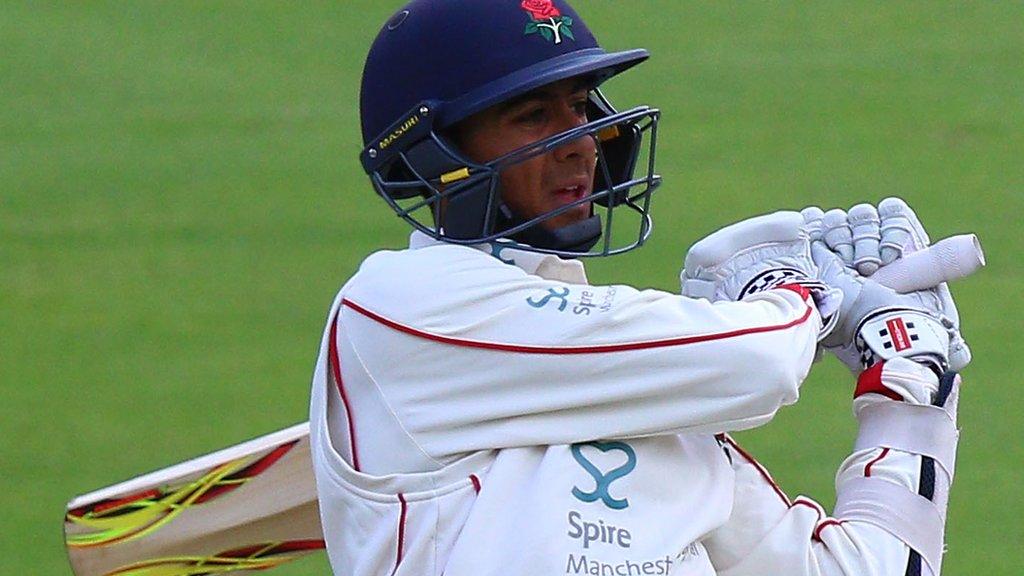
x: 770, y: 534
x: 899, y: 478
x: 891, y: 494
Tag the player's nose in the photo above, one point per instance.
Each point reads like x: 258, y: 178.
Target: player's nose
x: 582, y: 147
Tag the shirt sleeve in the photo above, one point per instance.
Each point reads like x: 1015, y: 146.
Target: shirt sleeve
x: 890, y: 512
x: 486, y: 356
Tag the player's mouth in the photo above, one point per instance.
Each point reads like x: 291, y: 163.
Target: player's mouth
x: 572, y: 192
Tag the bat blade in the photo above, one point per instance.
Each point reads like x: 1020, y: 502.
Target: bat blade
x: 251, y: 506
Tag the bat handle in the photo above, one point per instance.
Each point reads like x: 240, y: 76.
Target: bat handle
x: 947, y: 260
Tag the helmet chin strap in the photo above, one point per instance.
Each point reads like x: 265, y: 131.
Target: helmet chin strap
x: 576, y: 237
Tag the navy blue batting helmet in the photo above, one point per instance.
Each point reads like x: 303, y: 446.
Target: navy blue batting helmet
x: 438, y: 62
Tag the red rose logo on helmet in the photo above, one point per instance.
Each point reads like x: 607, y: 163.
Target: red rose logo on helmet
x: 540, y: 9
x: 547, y: 21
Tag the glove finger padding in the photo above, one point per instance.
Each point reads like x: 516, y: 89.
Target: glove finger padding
x: 835, y: 231
x: 747, y: 257
x: 813, y: 216
x: 901, y: 231
x: 865, y: 226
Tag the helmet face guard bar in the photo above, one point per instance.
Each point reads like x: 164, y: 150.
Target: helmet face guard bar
x: 436, y: 189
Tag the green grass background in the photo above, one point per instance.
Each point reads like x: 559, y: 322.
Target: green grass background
x: 180, y: 199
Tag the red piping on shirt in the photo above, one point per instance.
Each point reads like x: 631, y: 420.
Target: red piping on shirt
x: 867, y: 468
x: 401, y: 531
x: 799, y: 501
x: 834, y: 522
x: 761, y: 469
x: 335, y: 361
x: 803, y: 501
x: 825, y: 524
x: 598, y: 349
x: 476, y: 482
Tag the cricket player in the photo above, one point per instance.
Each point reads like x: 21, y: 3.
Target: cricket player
x: 479, y: 408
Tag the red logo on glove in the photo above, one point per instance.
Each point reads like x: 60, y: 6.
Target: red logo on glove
x: 899, y: 334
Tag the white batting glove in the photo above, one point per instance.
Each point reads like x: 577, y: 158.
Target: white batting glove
x: 867, y: 238
x: 752, y: 256
x: 876, y: 323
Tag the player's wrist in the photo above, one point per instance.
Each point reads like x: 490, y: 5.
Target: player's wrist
x: 900, y: 379
x: 825, y: 300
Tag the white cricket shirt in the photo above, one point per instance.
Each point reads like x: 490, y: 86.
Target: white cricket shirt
x: 487, y: 411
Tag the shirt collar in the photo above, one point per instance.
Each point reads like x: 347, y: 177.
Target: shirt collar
x: 547, y: 266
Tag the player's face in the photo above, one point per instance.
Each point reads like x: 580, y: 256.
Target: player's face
x: 548, y: 181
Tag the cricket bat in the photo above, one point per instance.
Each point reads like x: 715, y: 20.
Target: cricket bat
x: 251, y: 506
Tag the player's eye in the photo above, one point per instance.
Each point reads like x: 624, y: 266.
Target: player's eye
x: 531, y: 116
x: 580, y: 108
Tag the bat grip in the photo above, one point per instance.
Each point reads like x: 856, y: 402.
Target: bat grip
x: 947, y: 260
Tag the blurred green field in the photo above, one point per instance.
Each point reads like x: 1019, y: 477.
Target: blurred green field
x: 180, y: 199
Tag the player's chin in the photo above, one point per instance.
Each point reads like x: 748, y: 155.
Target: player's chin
x: 571, y: 216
